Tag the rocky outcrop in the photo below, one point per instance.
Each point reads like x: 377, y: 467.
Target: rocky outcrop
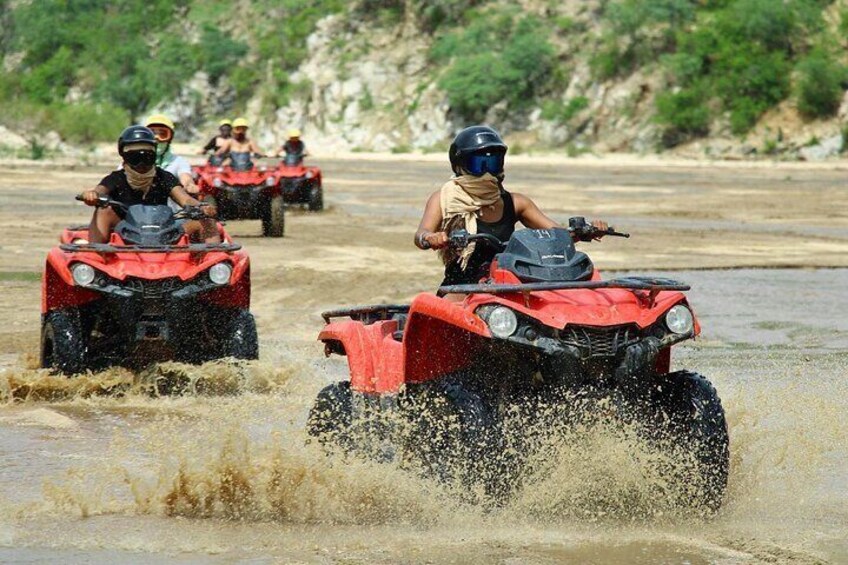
x: 364, y: 90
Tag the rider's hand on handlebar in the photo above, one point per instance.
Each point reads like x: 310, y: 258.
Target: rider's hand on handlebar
x: 600, y: 225
x: 90, y: 197
x: 436, y: 240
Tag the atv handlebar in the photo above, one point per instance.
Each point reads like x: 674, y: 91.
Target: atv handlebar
x: 103, y: 202
x: 583, y: 231
x: 191, y: 213
x: 459, y: 239
x: 580, y: 230
x: 187, y: 213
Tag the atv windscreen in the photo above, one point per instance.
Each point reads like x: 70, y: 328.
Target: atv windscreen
x: 240, y: 161
x: 545, y: 256
x: 149, y: 226
x: 293, y: 159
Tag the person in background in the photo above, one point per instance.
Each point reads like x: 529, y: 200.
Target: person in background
x: 239, y: 148
x: 163, y: 128
x: 225, y: 131
x: 293, y: 146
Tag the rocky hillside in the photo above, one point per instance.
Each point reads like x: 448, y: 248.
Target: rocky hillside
x: 731, y: 78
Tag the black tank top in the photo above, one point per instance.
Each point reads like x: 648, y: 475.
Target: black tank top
x: 478, y: 263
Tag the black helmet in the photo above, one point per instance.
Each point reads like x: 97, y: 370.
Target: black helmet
x: 136, y: 134
x: 472, y: 140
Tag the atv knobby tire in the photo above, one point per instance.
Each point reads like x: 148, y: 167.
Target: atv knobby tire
x: 316, y: 199
x: 688, y: 411
x: 331, y: 416
x: 242, y: 341
x: 274, y: 217
x: 63, y: 346
x: 450, y: 436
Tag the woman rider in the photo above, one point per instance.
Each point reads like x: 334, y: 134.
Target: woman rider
x: 474, y: 199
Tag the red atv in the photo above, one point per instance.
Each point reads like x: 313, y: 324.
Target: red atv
x: 147, y: 295
x: 437, y: 381
x: 244, y: 192
x: 300, y: 184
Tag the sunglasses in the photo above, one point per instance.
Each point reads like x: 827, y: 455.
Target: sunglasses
x: 485, y: 162
x: 142, y: 158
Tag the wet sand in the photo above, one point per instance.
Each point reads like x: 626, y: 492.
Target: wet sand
x: 98, y: 470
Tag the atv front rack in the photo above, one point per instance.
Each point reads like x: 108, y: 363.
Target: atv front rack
x: 652, y: 285
x: 190, y: 248
x: 367, y: 313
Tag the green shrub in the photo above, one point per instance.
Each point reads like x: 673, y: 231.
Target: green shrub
x: 637, y: 31
x: 87, y: 122
x: 819, y: 86
x: 563, y: 112
x: 219, y: 52
x: 494, y: 59
x: 685, y: 114
x: 740, y: 55
x: 366, y: 102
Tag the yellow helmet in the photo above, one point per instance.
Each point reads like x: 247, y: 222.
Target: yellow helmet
x: 160, y: 120
x: 240, y: 123
x: 294, y: 132
x: 225, y: 122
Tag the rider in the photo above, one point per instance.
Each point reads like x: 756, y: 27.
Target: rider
x: 474, y: 199
x: 239, y: 147
x: 140, y: 181
x: 225, y: 132
x: 163, y: 128
x: 293, y: 146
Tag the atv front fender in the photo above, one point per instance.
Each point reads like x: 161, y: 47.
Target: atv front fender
x: 58, y: 290
x: 373, y: 355
x: 441, y: 337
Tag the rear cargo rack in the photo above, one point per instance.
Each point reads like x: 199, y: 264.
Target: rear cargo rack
x: 652, y: 285
x: 108, y: 248
x: 372, y: 312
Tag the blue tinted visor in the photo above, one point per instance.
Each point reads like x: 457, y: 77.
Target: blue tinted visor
x: 491, y: 162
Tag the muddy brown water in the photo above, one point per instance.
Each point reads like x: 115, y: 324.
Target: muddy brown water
x: 98, y: 469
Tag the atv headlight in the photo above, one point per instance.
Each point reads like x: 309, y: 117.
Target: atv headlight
x: 309, y: 174
x: 502, y: 322
x: 83, y: 274
x: 270, y: 181
x: 217, y: 183
x: 220, y: 273
x: 679, y: 319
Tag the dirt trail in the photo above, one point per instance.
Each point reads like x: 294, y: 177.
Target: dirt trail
x: 102, y: 470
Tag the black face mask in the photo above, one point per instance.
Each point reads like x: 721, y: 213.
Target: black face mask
x: 140, y: 159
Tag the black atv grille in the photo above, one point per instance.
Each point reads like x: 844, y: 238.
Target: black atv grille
x: 153, y: 289
x: 599, y: 342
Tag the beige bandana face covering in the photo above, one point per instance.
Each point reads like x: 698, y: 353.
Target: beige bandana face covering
x: 139, y: 181
x: 462, y: 198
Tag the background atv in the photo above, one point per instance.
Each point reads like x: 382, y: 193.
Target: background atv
x: 434, y: 382
x: 300, y: 184
x: 244, y: 192
x: 147, y: 295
